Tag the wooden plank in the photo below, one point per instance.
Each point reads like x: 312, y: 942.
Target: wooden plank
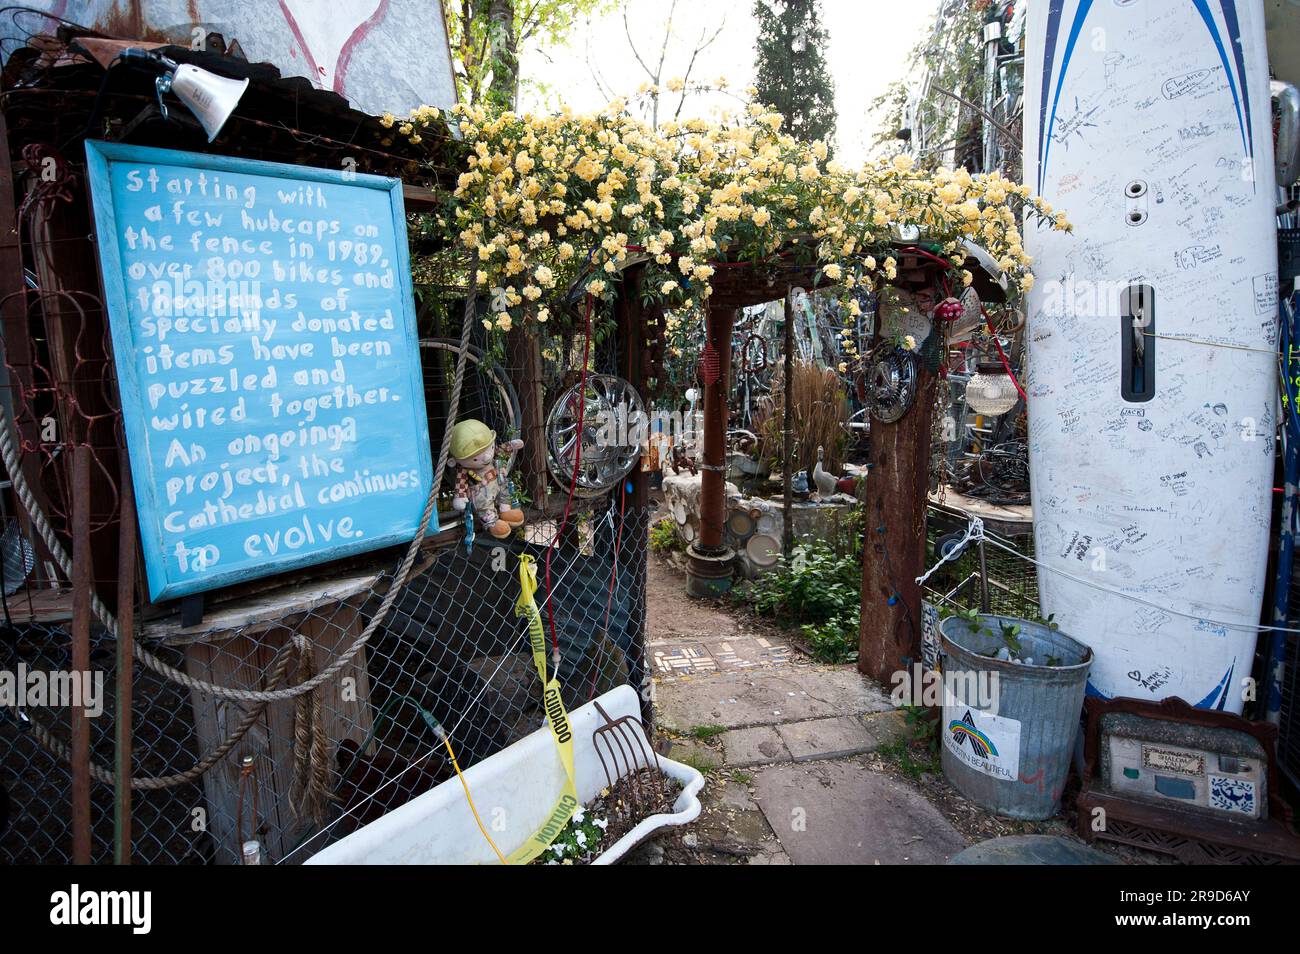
x: 45, y: 606
x: 241, y: 660
x: 421, y: 198
x: 226, y: 664
x: 266, y: 609
x: 525, y: 356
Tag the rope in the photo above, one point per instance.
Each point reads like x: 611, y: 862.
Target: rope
x: 309, y: 790
x: 61, y: 750
x: 9, y: 456
x: 974, y: 531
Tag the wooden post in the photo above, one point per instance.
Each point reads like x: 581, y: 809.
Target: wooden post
x: 125, y: 668
x: 237, y: 646
x: 525, y: 356
x: 787, y: 429
x: 893, y: 553
x: 713, y: 479
x: 82, y: 581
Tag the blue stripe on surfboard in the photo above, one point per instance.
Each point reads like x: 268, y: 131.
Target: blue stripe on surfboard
x: 1208, y: 17
x: 1217, y: 698
x: 1229, y: 8
x: 1080, y: 15
x: 1220, y: 691
x: 1049, y: 57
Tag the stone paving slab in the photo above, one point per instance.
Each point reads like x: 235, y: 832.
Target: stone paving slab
x: 843, y: 813
x: 887, y: 727
x: 753, y: 746
x: 1032, y: 850
x: 827, y: 738
x: 788, y: 694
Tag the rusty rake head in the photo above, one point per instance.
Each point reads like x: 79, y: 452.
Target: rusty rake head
x: 637, y: 784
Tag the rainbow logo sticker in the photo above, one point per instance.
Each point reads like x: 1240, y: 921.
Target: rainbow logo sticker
x: 963, y: 730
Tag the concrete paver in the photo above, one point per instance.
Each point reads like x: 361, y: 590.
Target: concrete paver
x: 827, y: 738
x: 753, y: 746
x: 787, y: 694
x: 843, y: 813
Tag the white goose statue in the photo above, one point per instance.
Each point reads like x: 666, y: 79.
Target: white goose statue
x: 825, y: 482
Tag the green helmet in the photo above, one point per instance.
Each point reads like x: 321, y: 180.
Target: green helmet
x: 470, y: 437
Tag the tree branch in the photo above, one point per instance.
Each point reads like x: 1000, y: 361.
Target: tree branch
x: 700, y: 48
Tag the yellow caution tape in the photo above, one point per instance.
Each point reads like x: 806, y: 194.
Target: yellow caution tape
x: 557, y: 717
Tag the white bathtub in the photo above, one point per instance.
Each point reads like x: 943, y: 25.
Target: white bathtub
x: 514, y: 791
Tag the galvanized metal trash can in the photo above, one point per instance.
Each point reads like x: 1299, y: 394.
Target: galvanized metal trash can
x: 1008, y: 728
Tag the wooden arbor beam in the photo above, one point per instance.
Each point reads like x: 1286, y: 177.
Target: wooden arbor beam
x: 893, y: 551
x: 709, y: 571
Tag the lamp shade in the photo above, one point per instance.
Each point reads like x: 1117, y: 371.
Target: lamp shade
x: 990, y: 391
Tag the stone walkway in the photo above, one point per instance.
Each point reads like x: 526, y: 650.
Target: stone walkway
x: 785, y: 741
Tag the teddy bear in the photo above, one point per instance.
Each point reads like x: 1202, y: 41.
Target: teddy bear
x: 480, y: 481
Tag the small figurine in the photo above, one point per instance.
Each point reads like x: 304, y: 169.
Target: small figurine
x: 479, y: 481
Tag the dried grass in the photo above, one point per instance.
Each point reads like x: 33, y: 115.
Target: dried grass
x: 820, y: 412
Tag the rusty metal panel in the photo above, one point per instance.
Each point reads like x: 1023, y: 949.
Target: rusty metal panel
x: 379, y: 54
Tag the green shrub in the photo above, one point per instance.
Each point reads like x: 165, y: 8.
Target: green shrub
x: 814, y: 586
x: 820, y: 589
x: 663, y: 537
x: 836, y: 640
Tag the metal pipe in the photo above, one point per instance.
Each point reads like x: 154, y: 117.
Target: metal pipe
x: 82, y: 581
x: 125, y: 668
x: 992, y: 40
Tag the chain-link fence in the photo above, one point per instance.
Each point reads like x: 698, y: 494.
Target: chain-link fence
x: 452, y: 652
x: 297, y: 773
x: 215, y: 761
x: 225, y: 742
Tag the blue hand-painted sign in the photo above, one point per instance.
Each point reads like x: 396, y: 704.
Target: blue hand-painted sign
x: 264, y: 335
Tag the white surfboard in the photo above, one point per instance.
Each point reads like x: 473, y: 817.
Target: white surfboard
x: 1151, y: 447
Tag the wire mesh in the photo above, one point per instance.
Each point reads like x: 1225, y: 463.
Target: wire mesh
x: 298, y: 774
x: 1010, y: 582
x: 452, y: 652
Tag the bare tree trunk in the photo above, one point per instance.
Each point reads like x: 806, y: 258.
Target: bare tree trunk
x: 504, y: 91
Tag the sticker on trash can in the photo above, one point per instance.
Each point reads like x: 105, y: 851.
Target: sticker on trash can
x: 986, y: 742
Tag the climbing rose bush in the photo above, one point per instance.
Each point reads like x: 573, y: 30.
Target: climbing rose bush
x: 550, y: 202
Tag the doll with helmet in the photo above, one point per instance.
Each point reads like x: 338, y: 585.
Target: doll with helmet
x: 480, y: 480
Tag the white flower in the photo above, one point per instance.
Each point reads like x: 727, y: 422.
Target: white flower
x: 579, y: 815
x: 601, y: 823
x: 582, y: 839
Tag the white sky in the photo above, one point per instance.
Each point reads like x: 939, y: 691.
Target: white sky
x: 868, y: 43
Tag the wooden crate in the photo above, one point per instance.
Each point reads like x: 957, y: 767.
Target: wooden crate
x: 235, y: 646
